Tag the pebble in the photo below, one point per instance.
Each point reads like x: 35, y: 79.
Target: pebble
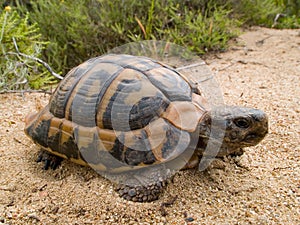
x: 189, y: 219
x: 9, y: 215
x: 33, y: 216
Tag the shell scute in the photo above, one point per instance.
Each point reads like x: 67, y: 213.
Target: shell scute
x: 88, y: 93
x: 58, y: 100
x: 38, y: 127
x: 125, y: 106
x: 141, y: 64
x: 170, y: 83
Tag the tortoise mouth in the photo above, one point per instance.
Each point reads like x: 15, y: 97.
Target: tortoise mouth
x: 253, y: 138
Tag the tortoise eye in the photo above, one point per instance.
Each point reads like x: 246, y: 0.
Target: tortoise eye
x: 242, y: 123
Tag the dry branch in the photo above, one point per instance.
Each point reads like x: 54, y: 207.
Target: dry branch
x: 46, y: 65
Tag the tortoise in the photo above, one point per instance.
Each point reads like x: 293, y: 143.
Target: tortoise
x: 131, y: 117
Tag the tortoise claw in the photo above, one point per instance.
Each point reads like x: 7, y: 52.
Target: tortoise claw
x: 50, y: 160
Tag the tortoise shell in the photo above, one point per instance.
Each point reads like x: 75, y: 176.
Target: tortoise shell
x: 119, y: 112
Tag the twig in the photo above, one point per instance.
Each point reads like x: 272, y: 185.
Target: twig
x: 26, y: 91
x: 35, y: 59
x: 41, y: 188
x: 20, y: 142
x: 262, y: 41
x: 167, y: 204
x: 278, y: 15
x: 141, y: 26
x: 191, y: 66
x: 226, y: 67
x: 285, y: 168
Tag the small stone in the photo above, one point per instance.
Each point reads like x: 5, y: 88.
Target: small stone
x: 9, y: 215
x: 55, y: 209
x: 33, y: 216
x: 189, y: 219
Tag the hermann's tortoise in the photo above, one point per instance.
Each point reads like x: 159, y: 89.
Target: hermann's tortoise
x: 137, y: 122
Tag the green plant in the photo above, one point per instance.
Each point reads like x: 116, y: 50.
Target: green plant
x: 17, y: 35
x: 209, y: 31
x: 256, y: 12
x: 78, y: 30
x: 285, y: 21
x: 291, y: 7
x: 201, y: 30
x: 289, y: 16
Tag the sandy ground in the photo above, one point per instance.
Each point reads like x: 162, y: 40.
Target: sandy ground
x: 262, y: 69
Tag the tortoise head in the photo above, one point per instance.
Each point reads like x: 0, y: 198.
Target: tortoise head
x: 236, y: 127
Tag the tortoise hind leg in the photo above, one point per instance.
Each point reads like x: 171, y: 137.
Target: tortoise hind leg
x: 49, y: 160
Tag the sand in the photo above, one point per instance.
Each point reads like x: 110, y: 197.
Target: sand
x: 261, y: 69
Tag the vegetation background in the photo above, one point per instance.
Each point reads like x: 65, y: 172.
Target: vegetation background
x: 65, y: 33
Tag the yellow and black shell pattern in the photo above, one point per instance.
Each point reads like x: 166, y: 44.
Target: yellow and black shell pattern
x: 119, y: 112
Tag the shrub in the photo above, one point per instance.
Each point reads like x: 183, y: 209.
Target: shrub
x: 78, y: 30
x: 203, y: 32
x: 289, y: 17
x: 291, y: 7
x: 256, y: 12
x: 16, y: 71
x: 266, y: 12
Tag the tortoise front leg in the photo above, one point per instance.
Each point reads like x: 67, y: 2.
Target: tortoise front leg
x: 193, y: 162
x: 144, y: 185
x: 141, y: 193
x: 49, y: 159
